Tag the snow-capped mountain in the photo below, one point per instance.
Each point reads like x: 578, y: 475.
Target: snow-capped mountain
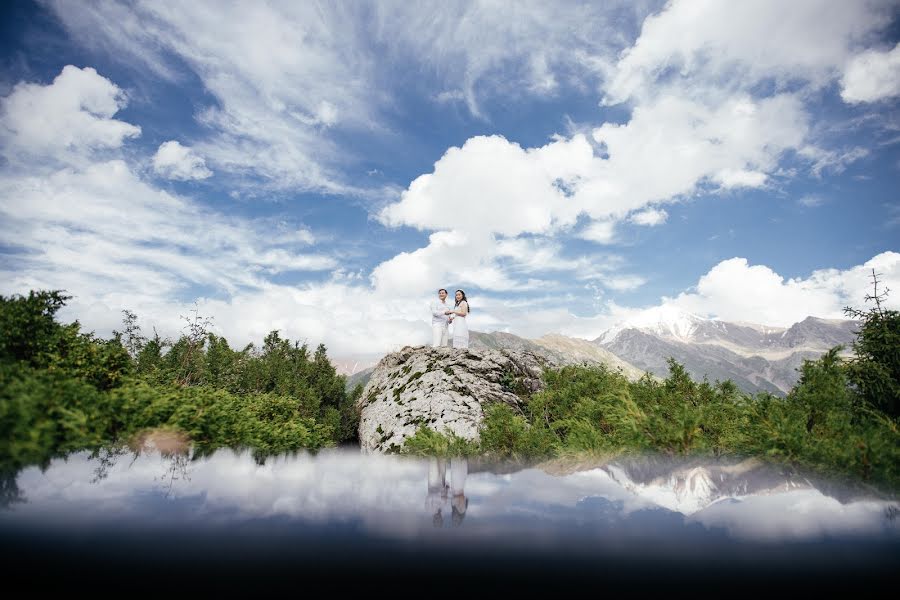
x: 664, y: 321
x: 756, y: 357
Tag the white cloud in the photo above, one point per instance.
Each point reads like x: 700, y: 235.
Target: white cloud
x: 735, y: 290
x: 91, y: 226
x: 625, y: 283
x: 70, y: 117
x: 650, y: 217
x: 872, y: 76
x: 811, y: 201
x: 491, y: 185
x: 283, y: 75
x: 174, y: 161
x: 601, y: 232
x: 719, y: 44
x: 482, y: 49
x: 124, y: 229
x: 698, y: 124
x: 732, y: 290
x: 730, y: 178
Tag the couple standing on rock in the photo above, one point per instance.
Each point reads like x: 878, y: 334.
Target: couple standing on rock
x: 442, y: 315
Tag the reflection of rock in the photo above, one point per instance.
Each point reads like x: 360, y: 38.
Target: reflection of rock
x: 443, y: 388
x: 166, y: 441
x: 688, y: 485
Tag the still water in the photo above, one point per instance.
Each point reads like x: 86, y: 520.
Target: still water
x: 687, y: 516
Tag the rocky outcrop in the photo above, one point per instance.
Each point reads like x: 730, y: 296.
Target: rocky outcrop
x: 443, y: 388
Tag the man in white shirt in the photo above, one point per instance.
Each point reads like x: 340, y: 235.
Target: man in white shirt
x: 439, y: 320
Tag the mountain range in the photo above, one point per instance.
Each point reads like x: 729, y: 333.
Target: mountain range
x: 755, y: 357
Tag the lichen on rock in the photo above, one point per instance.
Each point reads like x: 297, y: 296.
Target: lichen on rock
x: 444, y: 389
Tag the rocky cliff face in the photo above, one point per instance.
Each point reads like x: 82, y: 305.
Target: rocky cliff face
x: 443, y: 388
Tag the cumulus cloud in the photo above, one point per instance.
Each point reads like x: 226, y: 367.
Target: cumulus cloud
x: 872, y: 76
x: 70, y: 117
x: 698, y: 124
x: 174, y: 161
x: 735, y: 290
x: 492, y: 188
x: 492, y: 185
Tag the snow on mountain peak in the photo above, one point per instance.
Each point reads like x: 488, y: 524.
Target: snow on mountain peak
x: 665, y: 320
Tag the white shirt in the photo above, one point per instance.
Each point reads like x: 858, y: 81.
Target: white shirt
x: 437, y: 312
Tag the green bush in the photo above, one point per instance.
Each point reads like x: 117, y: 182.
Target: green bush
x: 821, y: 425
x: 63, y: 390
x: 875, y: 370
x: 427, y: 442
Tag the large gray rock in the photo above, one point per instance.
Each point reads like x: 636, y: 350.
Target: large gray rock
x: 443, y: 388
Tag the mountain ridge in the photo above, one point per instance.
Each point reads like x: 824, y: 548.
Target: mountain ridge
x: 756, y: 357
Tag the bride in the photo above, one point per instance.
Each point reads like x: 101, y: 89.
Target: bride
x: 458, y: 318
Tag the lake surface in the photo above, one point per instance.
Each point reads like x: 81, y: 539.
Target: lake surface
x: 374, y: 514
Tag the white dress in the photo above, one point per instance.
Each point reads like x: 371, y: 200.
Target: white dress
x: 460, y: 327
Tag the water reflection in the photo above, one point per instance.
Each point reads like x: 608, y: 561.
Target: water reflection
x: 437, y: 498
x: 648, y: 498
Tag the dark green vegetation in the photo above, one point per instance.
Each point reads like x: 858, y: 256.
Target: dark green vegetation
x: 63, y: 390
x: 839, y: 420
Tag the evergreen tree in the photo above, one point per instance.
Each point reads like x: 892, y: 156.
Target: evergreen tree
x: 875, y: 370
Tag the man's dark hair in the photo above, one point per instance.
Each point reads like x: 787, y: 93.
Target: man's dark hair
x: 444, y: 290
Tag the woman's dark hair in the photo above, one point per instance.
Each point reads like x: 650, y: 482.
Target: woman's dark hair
x: 464, y: 299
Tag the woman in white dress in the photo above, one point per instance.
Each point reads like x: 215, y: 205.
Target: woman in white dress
x: 458, y: 318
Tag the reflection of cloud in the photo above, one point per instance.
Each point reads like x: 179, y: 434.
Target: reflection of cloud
x: 384, y: 495
x: 803, y: 514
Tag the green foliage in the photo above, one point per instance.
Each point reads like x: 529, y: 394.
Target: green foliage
x: 214, y: 418
x: 28, y: 330
x: 45, y: 413
x: 875, y: 371
x: 64, y: 390
x: 823, y: 426
x: 427, y: 442
x: 31, y: 337
x: 820, y: 425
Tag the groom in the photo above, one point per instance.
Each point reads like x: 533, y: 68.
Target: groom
x: 439, y: 320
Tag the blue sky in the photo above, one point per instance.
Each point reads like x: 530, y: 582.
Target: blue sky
x: 322, y: 168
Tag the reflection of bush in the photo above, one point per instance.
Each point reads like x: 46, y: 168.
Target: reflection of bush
x: 63, y: 390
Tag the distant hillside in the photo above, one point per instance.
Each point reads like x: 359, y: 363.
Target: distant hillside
x: 359, y: 377
x: 558, y: 349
